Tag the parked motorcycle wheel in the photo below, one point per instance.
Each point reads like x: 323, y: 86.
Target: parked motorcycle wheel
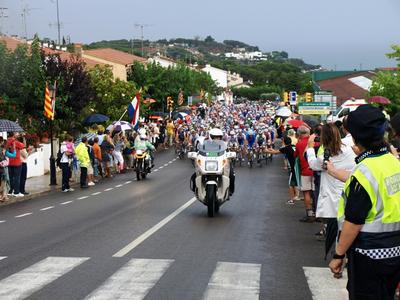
x: 211, y: 200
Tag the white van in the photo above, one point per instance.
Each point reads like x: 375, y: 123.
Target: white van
x: 347, y: 107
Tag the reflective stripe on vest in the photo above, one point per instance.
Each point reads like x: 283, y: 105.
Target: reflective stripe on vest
x: 380, y: 177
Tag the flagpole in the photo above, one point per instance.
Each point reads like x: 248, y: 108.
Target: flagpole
x: 123, y: 115
x: 53, y: 176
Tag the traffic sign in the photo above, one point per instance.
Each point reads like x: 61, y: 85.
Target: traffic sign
x: 314, y: 108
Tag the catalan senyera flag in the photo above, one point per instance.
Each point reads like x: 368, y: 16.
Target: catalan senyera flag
x: 48, y: 104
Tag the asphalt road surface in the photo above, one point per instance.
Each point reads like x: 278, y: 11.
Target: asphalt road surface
x: 124, y: 239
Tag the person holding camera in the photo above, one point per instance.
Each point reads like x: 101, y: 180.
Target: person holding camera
x: 331, y: 149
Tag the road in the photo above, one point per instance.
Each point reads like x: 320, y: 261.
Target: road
x: 124, y: 239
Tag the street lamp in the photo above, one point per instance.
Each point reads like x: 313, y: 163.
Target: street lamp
x: 53, y: 178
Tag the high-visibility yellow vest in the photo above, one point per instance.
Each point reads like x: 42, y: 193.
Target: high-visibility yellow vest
x: 380, y: 177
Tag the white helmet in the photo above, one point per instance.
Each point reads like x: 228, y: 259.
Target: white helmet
x: 143, y: 137
x: 142, y: 131
x: 216, y: 132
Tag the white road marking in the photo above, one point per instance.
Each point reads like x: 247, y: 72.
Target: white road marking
x: 128, y: 248
x: 170, y: 162
x: 81, y: 198
x: 165, y: 165
x: 133, y: 281
x: 128, y: 182
x: 3, y: 257
x: 28, y: 281
x: 324, y: 286
x: 47, y: 208
x: 234, y: 281
x: 97, y: 193
x: 109, y: 189
x: 2, y: 221
x: 118, y: 186
x: 24, y: 215
x: 66, y: 202
x: 161, y: 167
x: 174, y: 159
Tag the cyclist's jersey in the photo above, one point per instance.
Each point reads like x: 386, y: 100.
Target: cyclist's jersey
x: 260, y: 140
x: 240, y: 139
x: 251, y: 139
x: 181, y: 136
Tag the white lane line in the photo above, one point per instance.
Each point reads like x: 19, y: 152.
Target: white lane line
x: 161, y: 167
x: 109, y: 189
x: 324, y: 286
x: 66, y: 202
x: 165, y: 165
x: 3, y: 257
x: 118, y: 186
x: 170, y: 162
x: 174, y: 159
x: 95, y: 194
x: 24, y: 215
x: 133, y: 281
x: 28, y: 281
x: 2, y: 221
x: 47, y: 208
x: 128, y: 248
x: 81, y: 198
x: 234, y: 281
x: 128, y: 182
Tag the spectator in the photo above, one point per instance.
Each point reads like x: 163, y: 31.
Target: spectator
x: 292, y: 135
x: 107, y: 147
x: 306, y: 174
x: 330, y: 188
x: 170, y: 132
x: 3, y: 172
x: 119, y: 145
x: 97, y: 159
x: 90, y: 170
x: 15, y: 164
x: 24, y: 167
x: 84, y: 160
x: 65, y: 163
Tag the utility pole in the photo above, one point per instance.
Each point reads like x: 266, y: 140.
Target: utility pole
x: 25, y: 12
x: 142, y: 26
x: 3, y: 15
x: 58, y: 24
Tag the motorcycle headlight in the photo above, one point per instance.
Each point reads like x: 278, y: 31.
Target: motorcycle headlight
x: 211, y: 166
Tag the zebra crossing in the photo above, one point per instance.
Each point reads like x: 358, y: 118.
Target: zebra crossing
x: 133, y: 280
x: 136, y: 278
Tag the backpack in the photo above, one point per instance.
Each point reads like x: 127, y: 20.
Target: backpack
x: 58, y: 159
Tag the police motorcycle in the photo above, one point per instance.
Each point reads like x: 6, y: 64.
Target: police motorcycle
x: 142, y: 158
x: 213, y: 180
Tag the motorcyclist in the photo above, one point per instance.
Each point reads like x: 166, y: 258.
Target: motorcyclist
x: 143, y: 144
x: 216, y: 136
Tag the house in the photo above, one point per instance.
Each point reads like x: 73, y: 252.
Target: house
x: 344, y: 84
x: 164, y: 62
x: 119, y: 61
x: 218, y: 75
x: 234, y: 79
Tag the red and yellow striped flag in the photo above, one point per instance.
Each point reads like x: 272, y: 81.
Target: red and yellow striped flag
x: 48, y: 104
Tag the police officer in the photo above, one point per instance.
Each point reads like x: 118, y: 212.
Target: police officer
x: 369, y: 212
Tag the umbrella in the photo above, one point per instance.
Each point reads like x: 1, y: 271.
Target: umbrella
x: 379, y: 100
x: 182, y: 115
x: 312, y: 122
x: 295, y: 123
x: 90, y: 136
x: 95, y: 119
x: 9, y: 126
x: 283, y: 112
x: 149, y: 101
x: 120, y: 126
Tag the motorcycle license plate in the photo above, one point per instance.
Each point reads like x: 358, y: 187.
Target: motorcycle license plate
x: 212, y: 154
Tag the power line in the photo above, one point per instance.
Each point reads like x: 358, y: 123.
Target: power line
x: 25, y: 12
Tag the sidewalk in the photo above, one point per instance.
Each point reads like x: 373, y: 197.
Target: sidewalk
x: 37, y: 186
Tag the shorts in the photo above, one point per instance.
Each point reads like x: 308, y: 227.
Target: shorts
x: 307, y: 183
x: 292, y: 179
x: 90, y: 170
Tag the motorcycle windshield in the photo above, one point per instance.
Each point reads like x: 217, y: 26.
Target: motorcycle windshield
x: 212, y: 148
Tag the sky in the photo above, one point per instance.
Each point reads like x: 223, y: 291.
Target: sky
x: 337, y: 34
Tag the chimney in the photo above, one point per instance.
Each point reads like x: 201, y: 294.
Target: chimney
x: 78, y: 50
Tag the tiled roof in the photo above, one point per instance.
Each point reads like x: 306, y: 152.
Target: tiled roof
x: 11, y: 43
x: 343, y: 87
x: 67, y: 56
x: 114, y: 56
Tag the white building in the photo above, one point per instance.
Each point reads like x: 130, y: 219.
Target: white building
x: 163, y: 61
x: 218, y: 75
